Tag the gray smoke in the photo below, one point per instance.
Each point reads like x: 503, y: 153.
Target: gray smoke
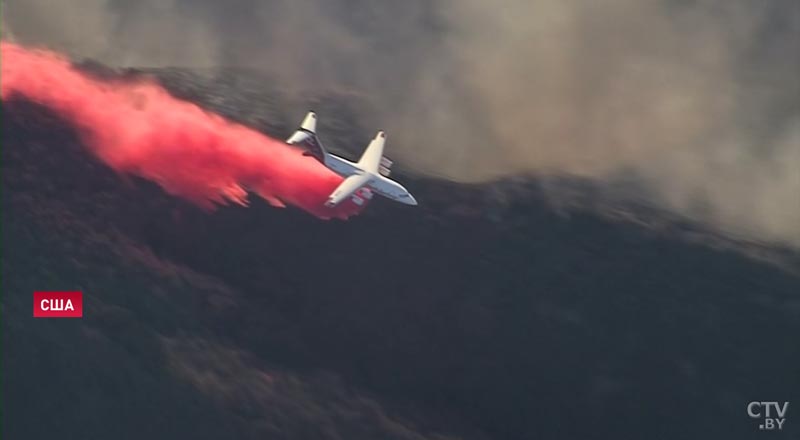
x: 698, y: 99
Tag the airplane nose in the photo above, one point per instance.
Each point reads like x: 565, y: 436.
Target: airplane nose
x: 411, y: 200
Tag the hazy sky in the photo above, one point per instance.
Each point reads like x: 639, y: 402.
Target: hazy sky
x: 699, y: 100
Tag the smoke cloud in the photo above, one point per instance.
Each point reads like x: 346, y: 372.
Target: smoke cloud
x: 698, y: 100
x: 138, y: 128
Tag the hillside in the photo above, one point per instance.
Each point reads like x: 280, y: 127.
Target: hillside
x: 489, y: 311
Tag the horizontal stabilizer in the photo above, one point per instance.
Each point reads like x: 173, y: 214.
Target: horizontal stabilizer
x: 310, y: 122
x: 306, y: 137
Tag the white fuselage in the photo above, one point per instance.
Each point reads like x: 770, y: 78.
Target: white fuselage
x: 377, y: 183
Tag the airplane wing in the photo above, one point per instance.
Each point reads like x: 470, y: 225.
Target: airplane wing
x: 371, y: 159
x: 347, y: 188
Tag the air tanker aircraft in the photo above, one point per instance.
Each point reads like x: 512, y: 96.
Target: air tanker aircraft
x: 370, y: 174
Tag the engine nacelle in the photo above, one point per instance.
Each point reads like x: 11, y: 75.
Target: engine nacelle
x: 361, y: 196
x: 385, y: 166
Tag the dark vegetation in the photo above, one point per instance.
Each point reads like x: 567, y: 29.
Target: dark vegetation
x: 490, y: 311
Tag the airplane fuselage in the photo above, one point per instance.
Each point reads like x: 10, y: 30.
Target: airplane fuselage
x: 377, y: 183
x: 362, y: 178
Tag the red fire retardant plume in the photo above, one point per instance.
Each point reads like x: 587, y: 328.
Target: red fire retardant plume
x: 138, y: 128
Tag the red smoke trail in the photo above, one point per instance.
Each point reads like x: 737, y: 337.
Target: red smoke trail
x: 138, y: 128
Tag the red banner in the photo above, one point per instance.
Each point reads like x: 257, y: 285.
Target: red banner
x: 57, y: 304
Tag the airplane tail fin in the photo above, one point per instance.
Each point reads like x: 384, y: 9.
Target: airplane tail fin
x: 306, y: 137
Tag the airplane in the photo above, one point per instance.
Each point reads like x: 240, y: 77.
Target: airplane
x: 370, y: 174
